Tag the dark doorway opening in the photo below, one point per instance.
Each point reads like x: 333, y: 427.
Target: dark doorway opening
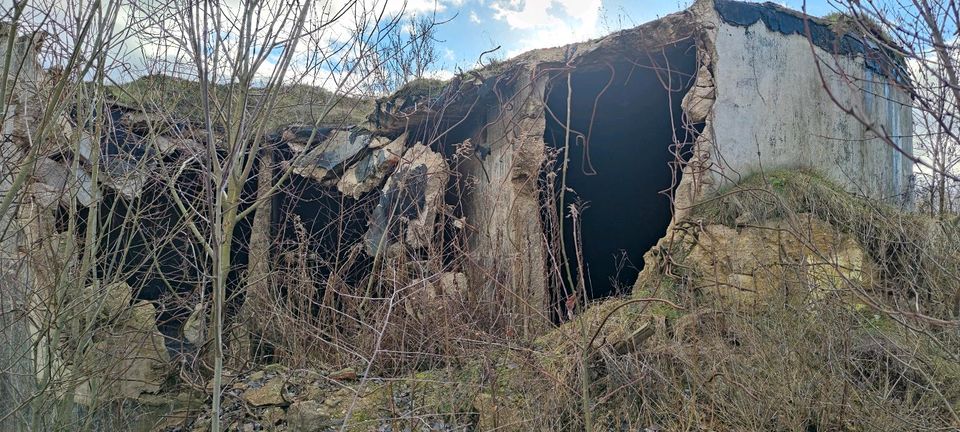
x: 627, y: 137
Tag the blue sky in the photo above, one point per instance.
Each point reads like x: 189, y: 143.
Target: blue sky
x: 521, y: 25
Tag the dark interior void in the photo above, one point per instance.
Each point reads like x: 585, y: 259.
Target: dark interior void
x: 325, y: 225
x: 145, y: 243
x: 626, y: 134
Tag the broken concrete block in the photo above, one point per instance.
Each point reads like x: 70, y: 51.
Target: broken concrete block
x: 369, y: 172
x: 113, y: 299
x: 331, y: 153
x: 62, y: 183
x: 120, y: 170
x: 127, y: 177
x: 704, y: 77
x: 305, y: 135
x: 346, y: 374
x: 134, y: 354
x: 453, y: 284
x: 308, y: 415
x: 698, y: 102
x: 408, y: 203
x: 395, y: 108
x: 165, y: 145
x: 85, y: 146
x: 270, y: 393
x: 380, y: 141
x: 195, y: 328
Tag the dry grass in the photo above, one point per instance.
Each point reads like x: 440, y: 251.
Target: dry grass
x: 877, y: 353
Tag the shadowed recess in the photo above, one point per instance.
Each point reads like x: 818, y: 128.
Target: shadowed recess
x: 626, y: 127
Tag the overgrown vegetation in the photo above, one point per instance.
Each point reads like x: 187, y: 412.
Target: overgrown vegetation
x: 810, y: 352
x: 844, y: 23
x: 825, y: 344
x: 779, y: 303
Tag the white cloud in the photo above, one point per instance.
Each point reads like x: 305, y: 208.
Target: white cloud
x: 440, y: 74
x: 474, y: 18
x: 422, y: 6
x: 545, y: 23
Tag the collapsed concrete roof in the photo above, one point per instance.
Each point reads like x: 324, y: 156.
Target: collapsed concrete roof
x: 708, y: 96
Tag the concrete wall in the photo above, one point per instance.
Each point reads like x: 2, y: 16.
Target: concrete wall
x: 17, y: 372
x: 771, y: 111
x: 502, y: 209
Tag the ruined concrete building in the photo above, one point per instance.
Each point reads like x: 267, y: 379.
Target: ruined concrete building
x: 655, y: 118
x: 473, y: 184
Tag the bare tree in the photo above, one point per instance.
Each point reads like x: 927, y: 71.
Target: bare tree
x: 242, y: 58
x: 403, y: 51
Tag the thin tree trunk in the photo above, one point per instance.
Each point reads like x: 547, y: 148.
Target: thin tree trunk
x: 943, y: 192
x: 227, y: 212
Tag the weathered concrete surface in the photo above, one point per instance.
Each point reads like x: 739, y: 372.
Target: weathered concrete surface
x: 758, y: 95
x: 770, y: 110
x: 58, y: 184
x: 324, y: 154
x: 17, y: 361
x: 369, y: 172
x: 46, y: 311
x: 753, y: 264
x: 407, y: 211
x: 133, y: 354
x: 502, y: 206
x: 756, y: 91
